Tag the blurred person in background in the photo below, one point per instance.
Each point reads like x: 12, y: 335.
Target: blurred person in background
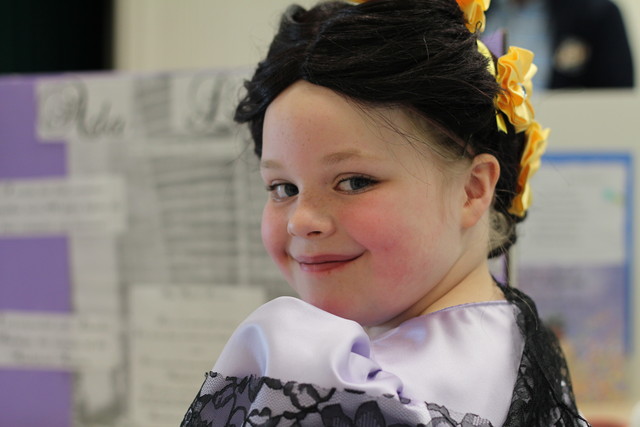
x: 578, y: 43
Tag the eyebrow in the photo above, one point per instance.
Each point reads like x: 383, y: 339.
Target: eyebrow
x: 270, y: 164
x: 329, y: 159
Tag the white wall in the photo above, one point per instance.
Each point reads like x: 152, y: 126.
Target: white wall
x: 177, y: 34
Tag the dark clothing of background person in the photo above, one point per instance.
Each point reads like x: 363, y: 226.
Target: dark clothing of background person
x: 590, y: 47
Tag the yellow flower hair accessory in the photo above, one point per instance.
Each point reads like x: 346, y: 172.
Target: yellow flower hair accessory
x: 514, y: 74
x: 515, y: 71
x: 535, y: 145
x: 474, y: 13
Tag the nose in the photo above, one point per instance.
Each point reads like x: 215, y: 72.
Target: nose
x: 310, y: 219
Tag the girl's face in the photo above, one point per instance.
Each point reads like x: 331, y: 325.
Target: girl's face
x: 361, y: 223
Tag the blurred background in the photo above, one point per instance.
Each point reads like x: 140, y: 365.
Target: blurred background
x: 153, y: 60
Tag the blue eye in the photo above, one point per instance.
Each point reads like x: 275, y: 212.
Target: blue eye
x: 282, y: 191
x: 356, y: 184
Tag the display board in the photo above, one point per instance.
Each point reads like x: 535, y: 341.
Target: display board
x: 574, y: 258
x: 129, y: 244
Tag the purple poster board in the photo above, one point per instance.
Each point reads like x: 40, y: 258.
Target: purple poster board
x: 34, y: 272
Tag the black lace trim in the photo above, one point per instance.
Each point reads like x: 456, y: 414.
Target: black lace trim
x: 543, y: 394
x: 267, y: 402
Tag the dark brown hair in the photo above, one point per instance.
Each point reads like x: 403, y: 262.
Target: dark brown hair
x: 416, y: 55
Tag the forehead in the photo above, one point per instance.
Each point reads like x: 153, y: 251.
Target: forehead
x: 316, y: 119
x: 304, y: 105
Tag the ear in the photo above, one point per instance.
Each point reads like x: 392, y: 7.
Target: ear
x: 479, y: 188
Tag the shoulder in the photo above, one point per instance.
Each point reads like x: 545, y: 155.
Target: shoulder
x: 438, y: 355
x: 297, y: 321
x: 602, y: 6
x: 291, y: 340
x: 586, y: 11
x: 543, y: 394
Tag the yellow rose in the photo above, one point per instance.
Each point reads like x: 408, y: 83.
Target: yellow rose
x: 515, y: 71
x: 535, y: 145
x: 474, y: 13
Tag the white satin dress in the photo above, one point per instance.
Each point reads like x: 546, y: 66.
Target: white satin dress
x: 463, y: 359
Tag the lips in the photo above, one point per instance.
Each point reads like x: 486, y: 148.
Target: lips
x: 322, y: 263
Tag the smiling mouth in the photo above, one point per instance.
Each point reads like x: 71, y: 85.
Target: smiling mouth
x: 324, y: 263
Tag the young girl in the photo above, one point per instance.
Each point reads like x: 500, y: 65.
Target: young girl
x: 396, y: 152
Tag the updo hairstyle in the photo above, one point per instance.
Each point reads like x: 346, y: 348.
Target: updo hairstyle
x: 416, y: 55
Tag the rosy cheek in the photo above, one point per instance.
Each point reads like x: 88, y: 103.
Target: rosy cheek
x: 274, y: 235
x: 370, y: 229
x: 389, y: 239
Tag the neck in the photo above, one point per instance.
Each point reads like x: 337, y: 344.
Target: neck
x: 476, y: 286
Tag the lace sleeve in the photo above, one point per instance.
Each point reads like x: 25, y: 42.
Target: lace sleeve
x: 543, y: 394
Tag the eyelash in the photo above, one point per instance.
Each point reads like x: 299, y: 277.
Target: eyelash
x: 367, y: 179
x: 368, y: 182
x: 273, y: 189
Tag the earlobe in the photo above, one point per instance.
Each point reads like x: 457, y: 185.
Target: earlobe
x: 479, y: 188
